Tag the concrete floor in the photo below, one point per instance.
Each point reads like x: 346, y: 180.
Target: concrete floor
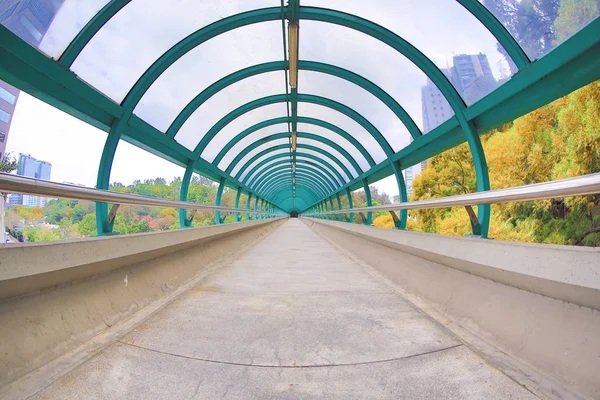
x: 293, y: 318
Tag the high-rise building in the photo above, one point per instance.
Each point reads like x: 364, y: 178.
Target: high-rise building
x: 434, y: 105
x: 32, y: 168
x: 30, y: 20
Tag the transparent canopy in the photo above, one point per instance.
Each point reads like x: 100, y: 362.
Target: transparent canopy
x: 216, y: 80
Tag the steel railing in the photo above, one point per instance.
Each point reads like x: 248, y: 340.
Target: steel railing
x: 23, y: 185
x: 580, y: 186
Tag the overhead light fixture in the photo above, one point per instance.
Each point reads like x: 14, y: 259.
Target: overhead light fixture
x: 294, y: 140
x: 294, y: 180
x: 293, y: 49
x: 294, y: 167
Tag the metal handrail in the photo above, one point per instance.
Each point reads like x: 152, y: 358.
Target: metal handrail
x: 579, y: 186
x: 24, y: 185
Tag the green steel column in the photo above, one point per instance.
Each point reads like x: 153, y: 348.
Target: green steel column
x: 184, y: 222
x: 104, y: 227
x: 402, y: 194
x: 218, y: 220
x: 255, y: 215
x: 369, y: 202
x: 236, y: 216
x: 350, y: 204
x: 248, y: 202
x: 326, y: 210
x: 332, y: 216
x: 339, y: 201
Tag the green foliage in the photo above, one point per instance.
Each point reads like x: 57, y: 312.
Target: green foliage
x: 62, y: 219
x: 8, y: 163
x: 558, y: 141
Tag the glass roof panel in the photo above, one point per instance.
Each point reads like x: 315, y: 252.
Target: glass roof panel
x: 326, y: 133
x: 360, y: 101
x: 269, y: 167
x: 232, y: 129
x: 542, y: 27
x: 247, y: 141
x: 445, y: 32
x: 134, y: 38
x: 256, y: 162
x: 32, y: 20
x: 329, y: 160
x: 345, y: 123
x: 258, y: 149
x: 159, y: 107
x: 330, y: 150
x: 72, y: 16
x: 320, y: 165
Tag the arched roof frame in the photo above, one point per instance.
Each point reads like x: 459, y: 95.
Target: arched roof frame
x: 465, y: 123
x: 270, y: 179
x: 285, y: 164
x: 306, y: 169
x: 300, y: 178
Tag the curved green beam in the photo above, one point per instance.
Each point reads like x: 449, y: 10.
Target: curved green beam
x: 299, y: 168
x: 255, y: 181
x: 301, y: 177
x: 89, y: 30
x: 306, y: 170
x: 303, y: 190
x: 286, y: 185
x: 305, y: 120
x: 293, y: 203
x: 325, y: 163
x: 289, y: 197
x: 283, y: 98
x: 286, y: 135
x: 314, y: 66
x: 319, y: 186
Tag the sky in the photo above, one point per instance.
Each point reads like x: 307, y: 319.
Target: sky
x: 130, y: 42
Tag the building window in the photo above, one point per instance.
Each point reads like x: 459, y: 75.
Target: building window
x: 4, y: 116
x: 7, y: 96
x: 2, y: 137
x: 30, y: 28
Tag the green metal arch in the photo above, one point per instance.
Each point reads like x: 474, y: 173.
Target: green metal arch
x: 283, y: 98
x: 305, y: 120
x: 281, y: 147
x: 281, y: 172
x: 255, y: 181
x: 287, y: 180
x: 278, y: 136
x: 300, y: 168
x: 314, y: 66
x: 283, y: 187
x: 301, y: 195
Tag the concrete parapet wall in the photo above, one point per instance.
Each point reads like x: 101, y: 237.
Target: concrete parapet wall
x: 56, y: 296
x: 538, y: 303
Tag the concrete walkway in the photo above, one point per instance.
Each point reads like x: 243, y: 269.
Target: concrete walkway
x: 293, y: 318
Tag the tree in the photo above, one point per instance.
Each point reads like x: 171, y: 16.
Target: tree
x: 87, y: 226
x: 8, y: 163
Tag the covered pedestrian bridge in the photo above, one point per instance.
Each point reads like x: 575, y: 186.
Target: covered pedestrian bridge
x: 294, y: 107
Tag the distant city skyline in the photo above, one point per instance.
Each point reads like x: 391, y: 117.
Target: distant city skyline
x: 32, y: 168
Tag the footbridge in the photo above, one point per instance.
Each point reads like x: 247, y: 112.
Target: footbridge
x: 289, y: 300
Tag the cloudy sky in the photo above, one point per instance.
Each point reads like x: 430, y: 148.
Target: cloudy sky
x: 119, y: 54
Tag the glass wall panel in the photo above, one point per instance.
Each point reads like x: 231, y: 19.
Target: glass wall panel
x: 446, y: 32
x: 360, y: 101
x: 258, y: 149
x: 326, y: 133
x: 132, y: 40
x: 345, y: 123
x: 330, y: 150
x: 232, y: 129
x: 542, y: 25
x: 248, y: 140
x: 171, y: 94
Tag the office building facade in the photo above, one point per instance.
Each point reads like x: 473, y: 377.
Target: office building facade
x: 32, y: 168
x: 30, y: 20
